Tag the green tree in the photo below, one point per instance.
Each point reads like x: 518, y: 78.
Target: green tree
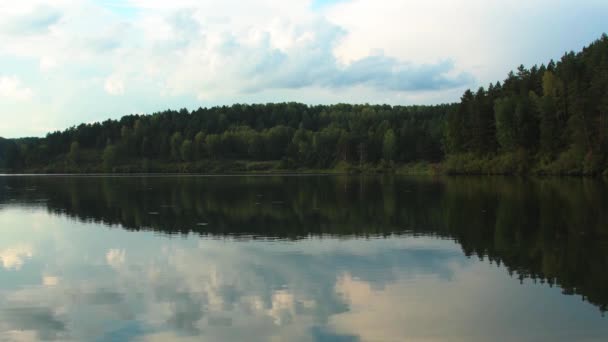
x: 213, y: 142
x: 74, y: 154
x: 506, y: 127
x: 389, y: 145
x: 255, y: 147
x: 110, y: 157
x: 146, y: 147
x: 454, y: 132
x: 176, y: 144
x: 549, y: 125
x: 199, y: 145
x: 9, y: 154
x: 302, y: 146
x: 128, y: 141
x: 186, y: 150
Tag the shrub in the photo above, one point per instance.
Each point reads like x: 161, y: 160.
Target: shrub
x: 592, y: 165
x: 568, y: 163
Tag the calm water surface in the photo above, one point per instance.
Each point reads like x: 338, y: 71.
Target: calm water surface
x: 312, y: 258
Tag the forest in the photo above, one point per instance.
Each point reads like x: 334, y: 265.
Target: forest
x: 548, y: 119
x: 254, y: 137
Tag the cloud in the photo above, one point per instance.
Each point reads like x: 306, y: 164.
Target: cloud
x: 115, y: 257
x: 41, y: 320
x: 114, y: 86
x: 186, y: 49
x: 11, y: 88
x: 36, y: 21
x: 47, y: 63
x: 226, y: 290
x: 215, y: 64
x: 283, y: 307
x: 18, y: 336
x: 50, y: 280
x: 13, y: 258
x: 484, y: 38
x: 388, y: 73
x: 191, y: 53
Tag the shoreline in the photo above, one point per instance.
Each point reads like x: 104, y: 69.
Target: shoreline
x: 301, y: 174
x: 471, y: 167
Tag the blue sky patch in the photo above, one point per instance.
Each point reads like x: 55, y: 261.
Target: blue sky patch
x: 120, y: 7
x: 320, y: 4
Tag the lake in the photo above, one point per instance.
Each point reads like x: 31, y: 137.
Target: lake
x: 303, y: 258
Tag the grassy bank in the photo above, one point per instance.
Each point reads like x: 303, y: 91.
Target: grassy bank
x: 514, y: 163
x: 522, y: 163
x: 91, y: 162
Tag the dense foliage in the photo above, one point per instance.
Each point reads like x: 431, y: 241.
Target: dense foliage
x: 293, y: 135
x: 549, y: 119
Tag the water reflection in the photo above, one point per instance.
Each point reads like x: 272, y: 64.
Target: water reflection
x: 294, y: 266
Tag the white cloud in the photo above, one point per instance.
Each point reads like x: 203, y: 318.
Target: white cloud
x: 19, y: 336
x: 204, y: 50
x: 50, y: 280
x: 114, y: 86
x: 116, y: 257
x: 191, y: 53
x: 11, y: 88
x: 283, y: 307
x: 36, y: 20
x: 486, y: 38
x: 13, y: 258
x: 47, y: 63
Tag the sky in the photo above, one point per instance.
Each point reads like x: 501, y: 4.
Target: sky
x: 65, y: 62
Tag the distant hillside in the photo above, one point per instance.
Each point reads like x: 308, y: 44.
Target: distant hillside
x: 549, y: 119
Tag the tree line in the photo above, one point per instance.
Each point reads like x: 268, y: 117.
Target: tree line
x: 548, y: 119
x: 295, y: 134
